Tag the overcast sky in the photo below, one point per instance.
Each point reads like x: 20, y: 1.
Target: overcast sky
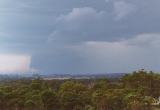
x: 79, y: 36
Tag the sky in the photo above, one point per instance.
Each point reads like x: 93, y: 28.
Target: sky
x: 79, y: 36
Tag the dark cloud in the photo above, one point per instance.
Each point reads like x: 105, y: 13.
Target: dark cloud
x: 47, y: 29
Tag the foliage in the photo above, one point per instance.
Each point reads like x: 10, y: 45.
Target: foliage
x: 136, y: 91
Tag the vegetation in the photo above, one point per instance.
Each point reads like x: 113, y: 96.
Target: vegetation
x: 136, y: 91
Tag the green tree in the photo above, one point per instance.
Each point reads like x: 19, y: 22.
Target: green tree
x: 50, y: 100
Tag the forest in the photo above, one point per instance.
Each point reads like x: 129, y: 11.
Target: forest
x: 139, y: 90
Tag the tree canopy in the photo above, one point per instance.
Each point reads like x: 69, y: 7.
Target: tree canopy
x: 134, y: 91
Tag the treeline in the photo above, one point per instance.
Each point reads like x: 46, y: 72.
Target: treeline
x: 136, y: 91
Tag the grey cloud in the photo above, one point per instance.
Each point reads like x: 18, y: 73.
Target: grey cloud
x: 122, y: 9
x: 122, y: 55
x: 81, y: 14
x: 46, y: 29
x: 78, y: 25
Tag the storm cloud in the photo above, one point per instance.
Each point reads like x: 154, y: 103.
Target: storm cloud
x: 81, y: 36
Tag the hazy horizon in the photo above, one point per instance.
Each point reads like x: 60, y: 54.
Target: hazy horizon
x: 79, y: 36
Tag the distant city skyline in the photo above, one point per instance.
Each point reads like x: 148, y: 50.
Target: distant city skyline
x: 79, y: 36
